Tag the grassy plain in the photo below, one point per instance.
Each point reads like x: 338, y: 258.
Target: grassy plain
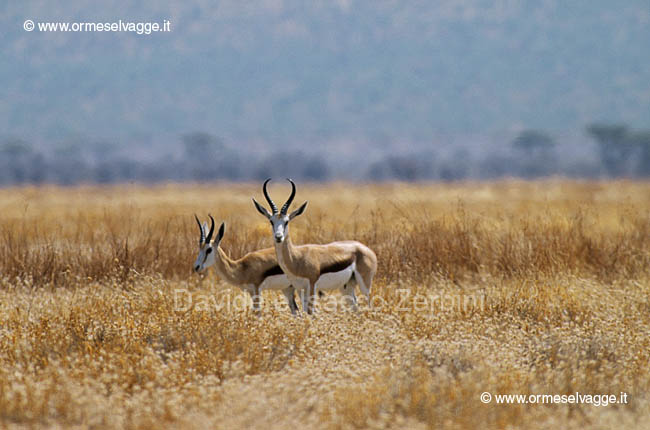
x: 506, y: 287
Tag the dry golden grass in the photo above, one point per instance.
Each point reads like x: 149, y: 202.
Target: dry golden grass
x: 556, y: 275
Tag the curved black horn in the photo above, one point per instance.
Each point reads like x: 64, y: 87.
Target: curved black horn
x: 274, y: 208
x: 285, y: 207
x: 200, y: 228
x: 207, y: 239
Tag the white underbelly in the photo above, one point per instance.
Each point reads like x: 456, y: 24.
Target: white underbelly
x: 275, y: 282
x: 334, y: 280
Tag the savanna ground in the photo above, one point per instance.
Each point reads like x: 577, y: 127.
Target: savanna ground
x: 513, y: 288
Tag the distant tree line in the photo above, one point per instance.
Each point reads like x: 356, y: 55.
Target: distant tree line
x: 622, y: 151
x: 202, y: 157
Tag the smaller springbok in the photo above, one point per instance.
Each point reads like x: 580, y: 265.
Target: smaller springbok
x: 318, y: 267
x: 254, y: 272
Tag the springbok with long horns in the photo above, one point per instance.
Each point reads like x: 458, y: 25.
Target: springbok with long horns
x: 321, y: 267
x: 254, y: 272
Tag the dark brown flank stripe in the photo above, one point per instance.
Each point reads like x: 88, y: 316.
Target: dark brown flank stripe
x: 275, y: 270
x: 337, y: 267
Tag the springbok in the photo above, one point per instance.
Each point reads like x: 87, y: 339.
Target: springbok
x: 318, y: 267
x: 254, y: 272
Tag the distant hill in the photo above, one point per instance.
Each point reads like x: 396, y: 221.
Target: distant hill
x: 280, y: 70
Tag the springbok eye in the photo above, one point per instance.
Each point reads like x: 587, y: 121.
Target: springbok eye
x: 209, y: 250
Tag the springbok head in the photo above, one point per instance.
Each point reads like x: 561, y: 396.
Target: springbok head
x: 207, y: 246
x: 279, y: 219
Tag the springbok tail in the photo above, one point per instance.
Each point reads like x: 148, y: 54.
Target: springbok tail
x: 362, y: 284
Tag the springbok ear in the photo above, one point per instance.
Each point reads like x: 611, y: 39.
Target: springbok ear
x: 222, y: 230
x: 205, y: 226
x: 261, y: 209
x: 298, y: 211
